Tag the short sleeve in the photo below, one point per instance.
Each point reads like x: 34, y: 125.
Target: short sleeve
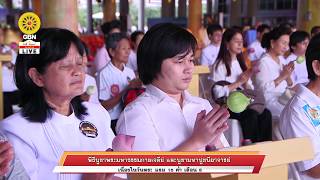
x: 135, y: 121
x: 104, y: 87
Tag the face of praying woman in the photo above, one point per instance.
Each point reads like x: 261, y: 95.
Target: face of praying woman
x: 281, y: 45
x: 236, y: 44
x: 176, y: 73
x: 63, y: 79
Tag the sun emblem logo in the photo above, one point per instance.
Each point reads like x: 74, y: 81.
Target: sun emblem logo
x: 29, y: 23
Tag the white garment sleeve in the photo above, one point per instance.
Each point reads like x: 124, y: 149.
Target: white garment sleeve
x: 219, y: 74
x: 25, y: 152
x: 263, y: 78
x: 298, y: 125
x: 104, y: 87
x: 204, y: 60
x: 136, y: 121
x: 252, y: 53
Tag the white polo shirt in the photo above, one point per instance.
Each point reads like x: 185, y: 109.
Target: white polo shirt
x: 220, y: 74
x: 158, y: 122
x: 300, y: 72
x: 255, y: 50
x: 269, y: 70
x: 209, y: 55
x: 90, y: 81
x: 40, y: 145
x: 132, y: 61
x: 111, y: 82
x: 301, y: 118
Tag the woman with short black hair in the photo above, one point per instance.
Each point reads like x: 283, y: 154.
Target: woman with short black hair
x: 166, y: 117
x: 53, y: 119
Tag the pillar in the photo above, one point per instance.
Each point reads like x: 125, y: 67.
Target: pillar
x: 60, y: 13
x: 235, y: 13
x: 36, y: 6
x: 124, y: 12
x: 168, y: 8
x: 194, y: 17
x: 182, y: 8
x: 141, y: 15
x: 109, y: 10
x: 89, y: 16
x: 308, y: 14
x: 25, y: 5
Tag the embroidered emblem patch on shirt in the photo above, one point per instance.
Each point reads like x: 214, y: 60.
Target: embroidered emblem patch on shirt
x: 88, y: 129
x: 115, y: 89
x: 313, y: 113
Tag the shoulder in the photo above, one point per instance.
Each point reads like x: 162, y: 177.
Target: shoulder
x: 129, y: 71
x: 96, y: 110
x: 208, y: 49
x: 11, y: 122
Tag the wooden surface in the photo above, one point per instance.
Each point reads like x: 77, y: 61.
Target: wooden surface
x: 278, y: 155
x: 194, y: 84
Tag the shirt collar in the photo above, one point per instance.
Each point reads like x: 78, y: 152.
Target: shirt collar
x: 307, y: 95
x: 162, y: 96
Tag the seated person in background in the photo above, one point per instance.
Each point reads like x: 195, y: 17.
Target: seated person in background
x: 116, y: 78
x: 274, y: 77
x: 166, y: 117
x: 10, y: 166
x: 53, y: 119
x: 299, y: 41
x: 300, y: 117
x: 210, y: 53
x: 10, y: 90
x: 230, y: 66
x: 315, y: 30
x: 135, y: 40
x: 102, y: 57
x: 255, y: 50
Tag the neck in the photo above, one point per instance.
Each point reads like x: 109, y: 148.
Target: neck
x: 118, y: 64
x: 59, y: 105
x: 233, y: 56
x: 273, y: 55
x: 215, y: 44
x: 314, y: 87
x: 298, y: 54
x: 177, y: 96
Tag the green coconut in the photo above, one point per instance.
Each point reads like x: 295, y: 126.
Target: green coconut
x: 91, y: 90
x: 300, y: 59
x: 237, y: 102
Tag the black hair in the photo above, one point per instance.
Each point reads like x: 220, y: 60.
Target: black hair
x: 313, y: 54
x: 297, y: 37
x: 315, y: 30
x: 113, y: 39
x: 224, y: 55
x: 162, y: 41
x: 108, y: 26
x: 263, y: 27
x: 54, y: 45
x: 134, y: 35
x: 274, y: 34
x: 213, y: 28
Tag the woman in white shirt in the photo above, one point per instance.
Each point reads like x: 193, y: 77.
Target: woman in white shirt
x: 166, y: 117
x: 53, y: 118
x: 230, y: 66
x: 273, y: 77
x: 299, y: 41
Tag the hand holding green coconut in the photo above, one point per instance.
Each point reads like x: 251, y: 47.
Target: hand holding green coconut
x: 300, y: 59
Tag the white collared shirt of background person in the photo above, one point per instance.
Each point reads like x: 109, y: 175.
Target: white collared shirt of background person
x: 220, y: 74
x: 300, y: 118
x: 209, y: 54
x: 8, y: 84
x: 300, y: 73
x: 158, y: 122
x: 111, y: 81
x: 269, y: 70
x: 132, y: 61
x: 40, y: 145
x: 90, y: 81
x: 255, y: 50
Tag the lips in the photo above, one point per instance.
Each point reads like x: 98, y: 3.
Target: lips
x: 76, y: 82
x: 187, y: 79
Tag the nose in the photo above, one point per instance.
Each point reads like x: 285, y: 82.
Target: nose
x: 78, y: 70
x: 189, y: 66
